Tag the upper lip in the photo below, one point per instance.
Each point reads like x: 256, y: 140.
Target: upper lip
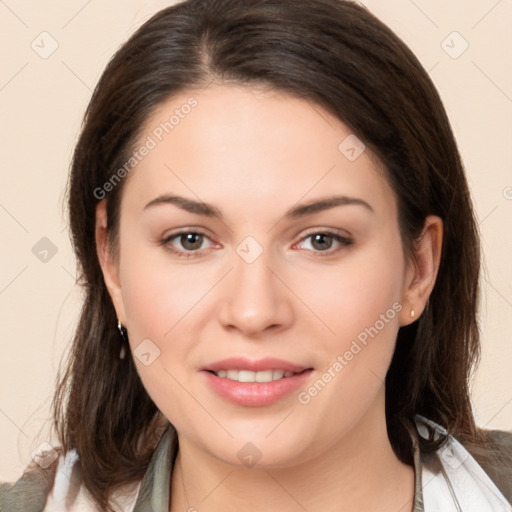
x: 242, y: 363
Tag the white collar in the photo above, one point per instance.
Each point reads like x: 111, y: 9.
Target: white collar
x: 452, y: 480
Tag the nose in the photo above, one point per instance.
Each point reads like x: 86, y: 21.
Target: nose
x: 255, y: 299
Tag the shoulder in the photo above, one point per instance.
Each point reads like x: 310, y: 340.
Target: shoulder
x: 469, y: 473
x: 57, y: 488
x: 496, y: 459
x: 30, y: 491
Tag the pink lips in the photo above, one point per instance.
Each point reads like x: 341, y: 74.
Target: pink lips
x: 254, y: 394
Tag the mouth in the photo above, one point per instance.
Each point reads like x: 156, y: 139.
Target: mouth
x: 252, y: 376
x: 255, y: 383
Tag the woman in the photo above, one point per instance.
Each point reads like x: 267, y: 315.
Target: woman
x: 280, y: 263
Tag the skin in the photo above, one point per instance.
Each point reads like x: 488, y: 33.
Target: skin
x: 255, y: 153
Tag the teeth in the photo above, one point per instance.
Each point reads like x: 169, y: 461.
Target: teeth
x: 250, y: 376
x: 263, y: 376
x: 277, y: 374
x: 232, y: 374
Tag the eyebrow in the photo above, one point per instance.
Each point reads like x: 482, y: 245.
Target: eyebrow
x: 301, y: 210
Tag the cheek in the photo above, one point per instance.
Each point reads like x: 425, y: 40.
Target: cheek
x: 157, y: 294
x: 359, y: 301
x: 166, y: 303
x: 162, y: 304
x: 353, y: 296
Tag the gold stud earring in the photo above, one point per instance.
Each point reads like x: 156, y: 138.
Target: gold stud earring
x: 412, y: 313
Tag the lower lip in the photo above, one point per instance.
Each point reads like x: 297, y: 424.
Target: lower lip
x: 255, y: 394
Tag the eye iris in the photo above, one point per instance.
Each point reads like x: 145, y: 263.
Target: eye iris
x: 320, y: 237
x: 190, y: 241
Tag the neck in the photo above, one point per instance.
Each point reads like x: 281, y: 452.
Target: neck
x: 360, y: 472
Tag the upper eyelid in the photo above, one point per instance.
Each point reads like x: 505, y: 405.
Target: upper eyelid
x: 341, y: 239
x: 167, y: 238
x: 330, y: 231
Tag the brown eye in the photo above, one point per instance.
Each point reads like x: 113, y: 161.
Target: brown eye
x: 191, y: 241
x: 323, y: 241
x: 186, y: 243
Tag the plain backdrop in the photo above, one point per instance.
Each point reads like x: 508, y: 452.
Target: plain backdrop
x: 53, y: 54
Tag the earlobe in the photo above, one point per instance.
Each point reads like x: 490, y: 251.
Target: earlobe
x: 423, y: 270
x: 109, y: 266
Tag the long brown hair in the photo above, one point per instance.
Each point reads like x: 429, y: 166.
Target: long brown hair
x: 332, y: 53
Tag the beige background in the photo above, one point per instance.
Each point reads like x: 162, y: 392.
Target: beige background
x: 43, y: 100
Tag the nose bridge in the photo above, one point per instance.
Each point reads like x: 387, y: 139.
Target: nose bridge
x: 256, y: 299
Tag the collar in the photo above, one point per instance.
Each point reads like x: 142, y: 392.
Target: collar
x: 451, y: 479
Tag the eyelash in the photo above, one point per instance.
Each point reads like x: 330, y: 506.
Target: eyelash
x: 344, y: 241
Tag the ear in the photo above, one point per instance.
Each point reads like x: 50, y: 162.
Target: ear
x: 422, y: 270
x: 109, y: 265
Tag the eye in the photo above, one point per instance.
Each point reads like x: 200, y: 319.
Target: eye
x: 323, y: 241
x: 191, y: 243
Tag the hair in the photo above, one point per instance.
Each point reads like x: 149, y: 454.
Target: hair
x: 339, y: 56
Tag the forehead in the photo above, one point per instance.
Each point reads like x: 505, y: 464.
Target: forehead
x: 223, y: 142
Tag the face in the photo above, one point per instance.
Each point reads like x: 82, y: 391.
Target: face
x: 255, y: 280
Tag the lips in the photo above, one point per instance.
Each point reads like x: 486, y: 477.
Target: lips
x: 255, y: 383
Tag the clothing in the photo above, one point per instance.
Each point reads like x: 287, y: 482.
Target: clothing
x: 449, y: 480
